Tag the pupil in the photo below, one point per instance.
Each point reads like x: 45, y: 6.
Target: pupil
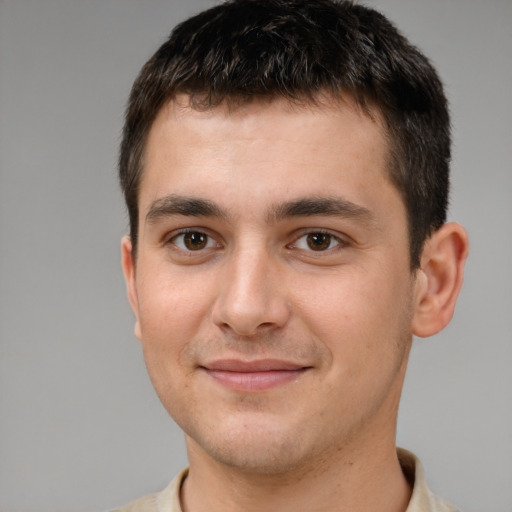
x: 195, y: 241
x: 319, y: 241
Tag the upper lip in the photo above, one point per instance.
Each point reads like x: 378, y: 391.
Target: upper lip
x: 261, y: 365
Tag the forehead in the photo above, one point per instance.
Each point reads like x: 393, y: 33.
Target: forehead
x: 183, y: 108
x: 263, y: 143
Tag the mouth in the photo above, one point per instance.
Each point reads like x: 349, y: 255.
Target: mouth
x: 247, y: 376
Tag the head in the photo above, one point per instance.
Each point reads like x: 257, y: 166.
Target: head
x: 245, y: 50
x: 285, y: 165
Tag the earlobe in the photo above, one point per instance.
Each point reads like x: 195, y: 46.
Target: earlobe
x: 128, y: 264
x: 440, y: 279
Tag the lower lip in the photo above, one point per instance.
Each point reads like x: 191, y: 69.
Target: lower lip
x: 255, y: 381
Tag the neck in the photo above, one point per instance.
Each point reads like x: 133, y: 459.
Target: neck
x: 355, y: 480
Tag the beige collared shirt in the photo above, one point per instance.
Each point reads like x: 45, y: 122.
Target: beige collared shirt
x: 422, y: 500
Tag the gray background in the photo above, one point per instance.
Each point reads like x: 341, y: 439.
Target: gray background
x: 80, y: 427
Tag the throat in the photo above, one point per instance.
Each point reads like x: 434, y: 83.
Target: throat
x: 348, y: 487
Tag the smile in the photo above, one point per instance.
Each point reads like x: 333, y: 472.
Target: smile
x: 260, y: 375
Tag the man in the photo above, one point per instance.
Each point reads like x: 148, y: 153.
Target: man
x: 285, y: 167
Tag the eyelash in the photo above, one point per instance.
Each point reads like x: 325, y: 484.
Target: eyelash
x: 339, y: 242
x: 190, y: 231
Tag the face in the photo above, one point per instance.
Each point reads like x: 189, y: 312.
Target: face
x: 272, y: 290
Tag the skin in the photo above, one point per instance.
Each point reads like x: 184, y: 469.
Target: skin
x: 276, y: 329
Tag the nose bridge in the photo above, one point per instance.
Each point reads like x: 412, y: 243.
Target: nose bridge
x: 251, y: 298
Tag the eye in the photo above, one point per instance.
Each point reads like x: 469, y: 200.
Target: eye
x: 317, y: 241
x: 193, y: 241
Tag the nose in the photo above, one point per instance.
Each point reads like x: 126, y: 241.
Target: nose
x: 252, y: 298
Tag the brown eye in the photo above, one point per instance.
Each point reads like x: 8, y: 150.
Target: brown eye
x: 193, y: 245
x: 319, y: 241
x: 195, y: 240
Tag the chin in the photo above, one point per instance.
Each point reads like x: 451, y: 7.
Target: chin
x: 254, y: 447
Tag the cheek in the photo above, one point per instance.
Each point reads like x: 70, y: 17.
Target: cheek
x: 171, y: 304
x: 170, y: 315
x: 173, y: 310
x: 361, y: 316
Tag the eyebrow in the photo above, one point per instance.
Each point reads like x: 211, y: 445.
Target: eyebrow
x: 327, y: 206
x: 172, y: 205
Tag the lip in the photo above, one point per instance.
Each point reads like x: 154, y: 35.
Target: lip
x: 260, y: 375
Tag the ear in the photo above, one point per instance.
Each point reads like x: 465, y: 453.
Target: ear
x: 128, y: 263
x: 439, y: 279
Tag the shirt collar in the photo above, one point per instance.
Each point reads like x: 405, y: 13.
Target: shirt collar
x: 422, y: 499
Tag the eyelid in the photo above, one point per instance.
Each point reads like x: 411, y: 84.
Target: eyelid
x: 173, y: 235
x: 342, y: 241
